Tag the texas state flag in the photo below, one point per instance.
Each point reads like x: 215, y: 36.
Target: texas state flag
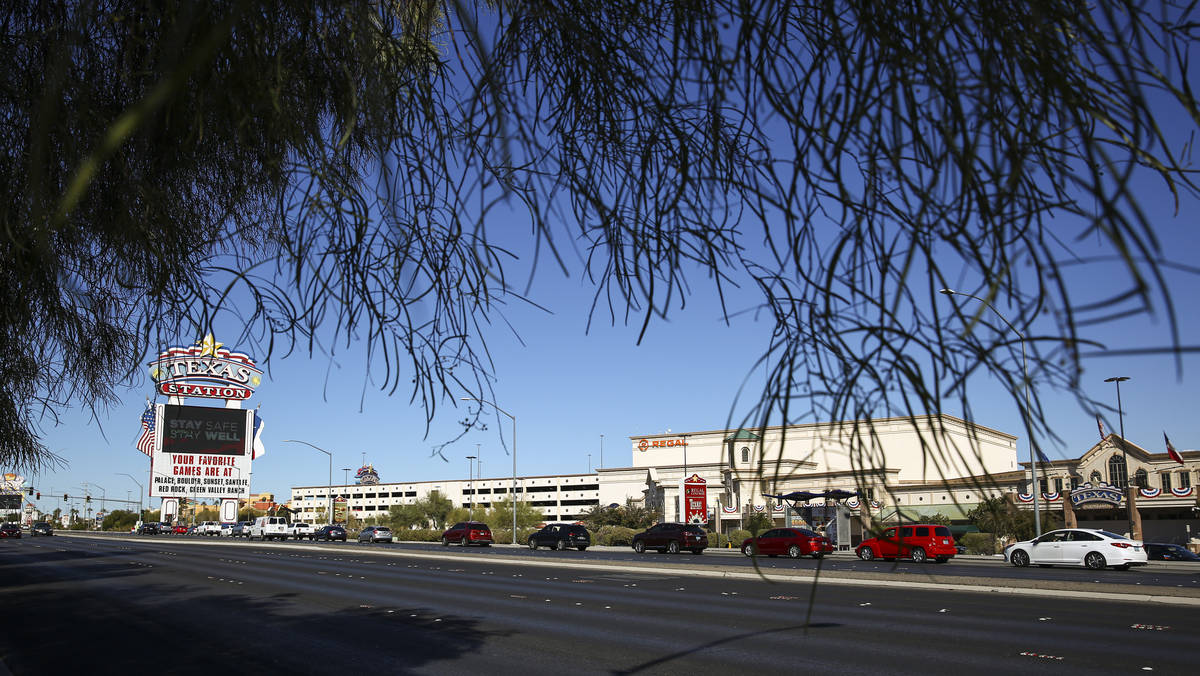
x: 1171, y: 450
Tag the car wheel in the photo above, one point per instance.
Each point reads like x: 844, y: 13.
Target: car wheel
x: 532, y: 544
x: 445, y: 542
x: 1019, y: 558
x: 794, y: 552
x: 1095, y: 561
x: 748, y: 549
x: 917, y: 555
x: 866, y: 553
x: 582, y: 549
x: 672, y: 547
x: 639, y: 547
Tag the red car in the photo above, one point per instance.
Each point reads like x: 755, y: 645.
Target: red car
x: 919, y: 542
x: 10, y: 530
x: 180, y: 529
x: 795, y: 542
x: 468, y: 533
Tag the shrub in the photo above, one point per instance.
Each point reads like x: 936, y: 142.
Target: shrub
x: 614, y: 536
x: 979, y: 543
x: 738, y: 536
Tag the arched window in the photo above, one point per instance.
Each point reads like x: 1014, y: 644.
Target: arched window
x: 745, y: 454
x: 1141, y: 479
x: 1116, y: 472
x: 1095, y: 479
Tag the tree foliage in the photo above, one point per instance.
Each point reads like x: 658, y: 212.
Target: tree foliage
x: 321, y: 172
x: 1000, y: 517
x: 632, y: 514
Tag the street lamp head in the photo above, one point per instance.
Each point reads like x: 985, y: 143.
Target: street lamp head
x: 1116, y: 379
x: 948, y: 292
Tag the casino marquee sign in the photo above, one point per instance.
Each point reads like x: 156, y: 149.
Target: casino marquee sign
x: 206, y: 369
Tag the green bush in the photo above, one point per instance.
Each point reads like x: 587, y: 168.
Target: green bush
x: 614, y: 536
x: 738, y: 536
x: 979, y: 543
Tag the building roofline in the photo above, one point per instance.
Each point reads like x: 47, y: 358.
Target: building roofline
x: 762, y: 430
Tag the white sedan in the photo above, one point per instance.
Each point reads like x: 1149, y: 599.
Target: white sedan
x: 1095, y: 549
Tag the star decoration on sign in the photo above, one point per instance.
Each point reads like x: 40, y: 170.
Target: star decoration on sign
x: 209, y: 346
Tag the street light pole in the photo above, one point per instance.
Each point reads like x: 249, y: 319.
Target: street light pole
x: 1124, y: 453
x: 139, y: 485
x: 1037, y: 511
x: 513, y: 494
x: 329, y: 487
x: 471, y: 486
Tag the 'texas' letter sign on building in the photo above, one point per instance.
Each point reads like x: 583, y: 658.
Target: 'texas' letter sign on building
x: 205, y: 370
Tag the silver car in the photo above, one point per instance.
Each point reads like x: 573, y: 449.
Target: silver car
x: 375, y: 534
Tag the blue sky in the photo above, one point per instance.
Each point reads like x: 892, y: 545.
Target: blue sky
x: 567, y: 389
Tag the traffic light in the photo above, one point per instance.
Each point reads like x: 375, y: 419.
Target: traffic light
x: 66, y: 497
x: 88, y: 499
x: 39, y: 495
x: 30, y: 489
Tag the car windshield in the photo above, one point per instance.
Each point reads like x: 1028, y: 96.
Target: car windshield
x: 694, y: 529
x: 1113, y: 536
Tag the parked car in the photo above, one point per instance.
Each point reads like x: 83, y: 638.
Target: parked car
x: 302, y: 530
x: 375, y: 534
x: 795, y: 542
x: 330, y: 533
x: 148, y: 528
x: 10, y: 530
x: 40, y: 528
x: 561, y: 536
x: 180, y: 529
x: 671, y: 538
x: 209, y: 528
x: 1164, y: 552
x: 268, y: 528
x: 241, y: 529
x: 918, y: 542
x: 468, y: 533
x: 227, y: 528
x: 1095, y: 549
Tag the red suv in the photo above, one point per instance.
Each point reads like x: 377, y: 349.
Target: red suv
x: 795, y: 542
x: 468, y: 533
x: 919, y: 542
x: 671, y: 537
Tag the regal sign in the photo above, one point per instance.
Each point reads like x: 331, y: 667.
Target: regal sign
x: 695, y: 499
x: 206, y: 369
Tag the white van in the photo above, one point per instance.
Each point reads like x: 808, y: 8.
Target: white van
x: 270, y: 527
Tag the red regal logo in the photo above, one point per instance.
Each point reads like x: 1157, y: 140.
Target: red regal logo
x: 643, y: 445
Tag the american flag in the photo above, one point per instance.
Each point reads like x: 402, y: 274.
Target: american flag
x: 1100, y: 424
x: 145, y: 444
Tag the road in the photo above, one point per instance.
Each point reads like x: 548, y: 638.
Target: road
x: 186, y: 605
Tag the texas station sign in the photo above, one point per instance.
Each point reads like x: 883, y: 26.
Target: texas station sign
x: 201, y: 452
x: 206, y: 369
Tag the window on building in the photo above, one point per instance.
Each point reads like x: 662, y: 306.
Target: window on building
x: 1058, y: 485
x: 1117, y: 475
x: 1074, y: 482
x: 1095, y: 478
x: 1141, y: 478
x: 1166, y: 480
x: 1045, y: 484
x: 1185, y: 479
x: 745, y: 454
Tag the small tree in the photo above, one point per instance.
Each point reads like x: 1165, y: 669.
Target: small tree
x: 436, y: 508
x: 759, y: 522
x: 500, y: 514
x: 1001, y: 517
x: 121, y: 519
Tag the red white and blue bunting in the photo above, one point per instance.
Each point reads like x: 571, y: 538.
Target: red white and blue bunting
x: 852, y: 503
x: 875, y: 504
x: 1025, y: 497
x: 1149, y: 492
x: 777, y: 507
x: 729, y: 510
x: 760, y: 508
x: 1182, y: 492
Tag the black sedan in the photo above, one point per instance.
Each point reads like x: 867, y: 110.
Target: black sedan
x: 1168, y: 552
x: 40, y: 528
x: 330, y: 533
x: 148, y: 528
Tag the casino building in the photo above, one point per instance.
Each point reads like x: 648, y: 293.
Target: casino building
x: 883, y: 460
